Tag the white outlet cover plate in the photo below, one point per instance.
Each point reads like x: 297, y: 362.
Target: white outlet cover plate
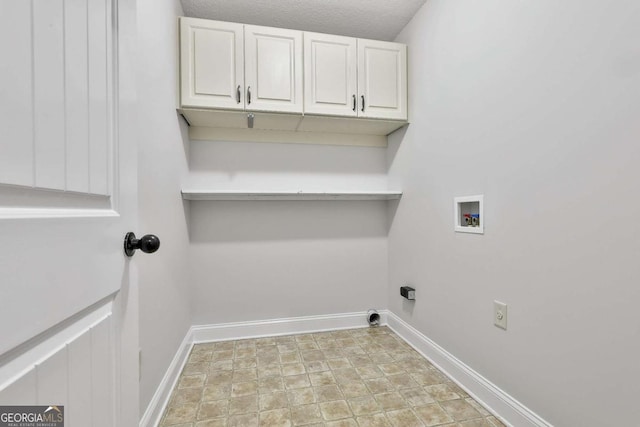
x: 500, y: 314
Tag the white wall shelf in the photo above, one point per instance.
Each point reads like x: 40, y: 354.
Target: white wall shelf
x: 289, y: 195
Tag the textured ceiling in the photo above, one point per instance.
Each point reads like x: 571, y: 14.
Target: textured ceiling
x: 373, y: 19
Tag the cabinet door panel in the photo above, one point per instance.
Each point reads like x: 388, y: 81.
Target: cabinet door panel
x: 330, y: 74
x: 274, y: 75
x: 211, y: 64
x: 273, y: 66
x: 382, y: 79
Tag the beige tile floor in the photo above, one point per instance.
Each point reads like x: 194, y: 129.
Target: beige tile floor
x: 348, y: 378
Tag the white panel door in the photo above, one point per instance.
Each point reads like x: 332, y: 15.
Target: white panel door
x: 68, y: 180
x: 273, y: 69
x: 211, y: 64
x: 16, y: 94
x: 382, y: 79
x: 330, y: 85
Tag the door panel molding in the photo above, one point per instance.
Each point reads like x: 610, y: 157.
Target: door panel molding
x: 16, y: 366
x: 60, y: 105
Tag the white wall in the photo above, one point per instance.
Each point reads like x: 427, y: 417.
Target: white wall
x: 163, y: 156
x: 266, y: 260
x: 282, y: 167
x: 536, y: 105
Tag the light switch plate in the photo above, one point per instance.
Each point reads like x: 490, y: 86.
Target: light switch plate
x: 500, y: 314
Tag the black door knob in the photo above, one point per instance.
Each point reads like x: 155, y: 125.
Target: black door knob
x: 147, y: 243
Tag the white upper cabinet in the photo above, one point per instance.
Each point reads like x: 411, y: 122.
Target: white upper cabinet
x: 330, y: 75
x: 273, y: 69
x: 382, y: 80
x: 355, y: 77
x: 292, y: 80
x: 211, y: 64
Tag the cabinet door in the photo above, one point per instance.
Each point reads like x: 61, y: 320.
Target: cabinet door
x: 211, y: 64
x: 382, y: 80
x: 330, y: 85
x: 273, y: 69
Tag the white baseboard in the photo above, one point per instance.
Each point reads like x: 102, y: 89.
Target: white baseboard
x: 286, y: 326
x: 505, y: 407
x: 160, y: 399
x: 509, y: 410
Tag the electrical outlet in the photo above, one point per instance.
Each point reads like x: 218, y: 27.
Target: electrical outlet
x: 500, y: 314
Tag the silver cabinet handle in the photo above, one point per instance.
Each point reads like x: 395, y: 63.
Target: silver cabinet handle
x: 238, y: 95
x: 354, y: 102
x: 362, y: 109
x: 249, y: 95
